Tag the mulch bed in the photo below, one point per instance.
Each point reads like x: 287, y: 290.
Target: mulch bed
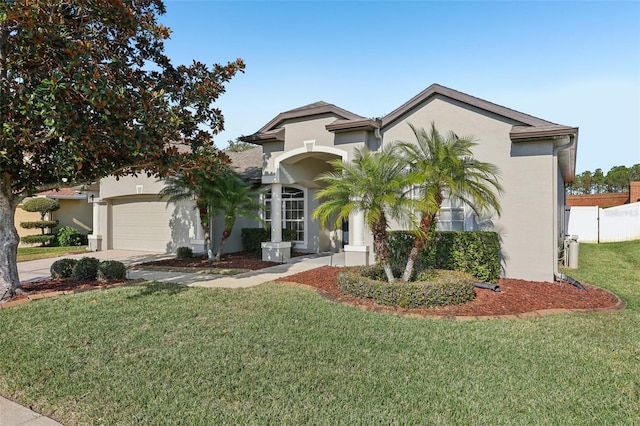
x: 239, y: 260
x: 515, y: 297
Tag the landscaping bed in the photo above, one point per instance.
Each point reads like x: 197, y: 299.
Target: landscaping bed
x: 239, y: 260
x: 515, y: 297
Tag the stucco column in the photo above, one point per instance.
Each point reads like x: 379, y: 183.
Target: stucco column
x: 95, y: 239
x: 356, y: 253
x: 276, y: 212
x: 276, y: 250
x: 357, y: 220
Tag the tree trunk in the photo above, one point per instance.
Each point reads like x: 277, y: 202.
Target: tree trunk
x: 225, y: 234
x: 425, y: 226
x: 9, y: 280
x: 381, y: 247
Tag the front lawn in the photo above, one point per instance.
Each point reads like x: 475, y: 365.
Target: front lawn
x: 34, y: 253
x: 160, y: 354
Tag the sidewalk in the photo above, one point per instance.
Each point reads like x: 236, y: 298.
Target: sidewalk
x: 13, y: 414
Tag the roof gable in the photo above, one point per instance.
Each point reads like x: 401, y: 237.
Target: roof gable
x: 316, y: 108
x: 436, y: 89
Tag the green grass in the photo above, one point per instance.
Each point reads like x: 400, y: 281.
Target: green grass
x: 160, y: 354
x: 34, y: 253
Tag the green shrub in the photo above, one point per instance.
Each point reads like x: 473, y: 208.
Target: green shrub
x: 44, y: 224
x: 86, y: 269
x: 252, y: 238
x: 184, y: 253
x: 63, y: 268
x: 44, y: 239
x: 40, y: 205
x: 111, y: 270
x: 68, y: 236
x: 475, y: 252
x: 438, y: 288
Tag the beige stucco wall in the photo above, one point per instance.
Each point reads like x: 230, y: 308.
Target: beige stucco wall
x: 528, y: 223
x: 76, y: 213
x: 129, y: 185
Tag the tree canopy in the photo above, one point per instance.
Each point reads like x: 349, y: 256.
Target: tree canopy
x: 615, y: 180
x: 87, y: 91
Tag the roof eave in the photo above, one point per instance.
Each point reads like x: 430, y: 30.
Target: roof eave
x: 260, y: 138
x: 368, y: 125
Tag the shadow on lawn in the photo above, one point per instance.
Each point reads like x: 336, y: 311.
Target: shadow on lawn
x: 157, y: 288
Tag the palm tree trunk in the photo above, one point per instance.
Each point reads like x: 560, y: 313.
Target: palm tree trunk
x: 381, y: 247
x: 225, y: 234
x: 418, y: 243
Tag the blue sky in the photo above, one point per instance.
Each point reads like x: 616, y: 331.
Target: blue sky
x: 572, y: 63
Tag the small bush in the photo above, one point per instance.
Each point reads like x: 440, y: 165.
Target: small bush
x: 68, y: 236
x: 40, y: 205
x: 184, y: 253
x: 111, y: 270
x: 252, y: 238
x: 63, y: 268
x: 436, y: 288
x: 44, y: 239
x: 44, y: 224
x: 86, y: 269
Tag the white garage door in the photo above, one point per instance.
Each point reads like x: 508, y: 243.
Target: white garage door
x: 141, y: 224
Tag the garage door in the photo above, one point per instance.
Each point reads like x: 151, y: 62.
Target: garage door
x: 141, y: 224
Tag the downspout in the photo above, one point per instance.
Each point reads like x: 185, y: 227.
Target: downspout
x: 556, y: 150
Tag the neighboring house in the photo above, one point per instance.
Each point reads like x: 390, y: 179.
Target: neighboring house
x: 536, y: 159
x: 74, y: 211
x: 610, y: 199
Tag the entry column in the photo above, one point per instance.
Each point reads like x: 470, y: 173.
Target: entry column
x: 276, y: 250
x: 357, y: 253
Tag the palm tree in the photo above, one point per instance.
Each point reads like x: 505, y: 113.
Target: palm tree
x: 445, y: 166
x: 374, y: 183
x: 233, y: 198
x: 182, y: 187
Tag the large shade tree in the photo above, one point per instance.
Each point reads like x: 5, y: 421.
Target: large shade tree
x: 374, y: 184
x: 441, y: 166
x: 86, y: 91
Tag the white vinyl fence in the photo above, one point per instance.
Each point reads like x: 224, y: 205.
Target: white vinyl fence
x: 593, y: 224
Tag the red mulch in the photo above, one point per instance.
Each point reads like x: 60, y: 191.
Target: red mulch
x: 239, y: 260
x: 52, y: 285
x: 515, y: 296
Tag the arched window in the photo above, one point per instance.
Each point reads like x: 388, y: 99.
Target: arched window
x: 293, y: 211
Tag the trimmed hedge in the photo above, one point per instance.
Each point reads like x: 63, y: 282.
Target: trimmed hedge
x: 62, y: 268
x: 475, y: 252
x: 110, y: 270
x: 40, y: 224
x: 437, y: 287
x: 44, y: 239
x: 252, y: 238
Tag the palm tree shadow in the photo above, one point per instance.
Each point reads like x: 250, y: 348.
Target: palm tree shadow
x: 160, y: 289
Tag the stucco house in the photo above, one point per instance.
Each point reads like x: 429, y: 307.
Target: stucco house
x: 536, y: 159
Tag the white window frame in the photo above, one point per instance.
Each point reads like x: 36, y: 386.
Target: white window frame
x: 305, y: 220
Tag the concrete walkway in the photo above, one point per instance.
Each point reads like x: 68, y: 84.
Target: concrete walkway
x: 13, y: 414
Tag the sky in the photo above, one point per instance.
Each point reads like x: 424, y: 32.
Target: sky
x: 575, y: 63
